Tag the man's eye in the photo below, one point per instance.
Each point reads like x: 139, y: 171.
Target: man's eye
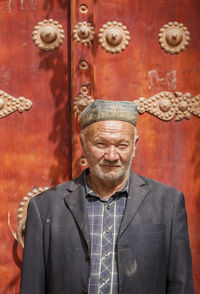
x: 100, y: 144
x: 122, y: 146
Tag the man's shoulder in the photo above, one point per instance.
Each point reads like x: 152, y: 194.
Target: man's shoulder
x: 58, y: 192
x: 156, y: 187
x: 157, y: 193
x: 157, y: 184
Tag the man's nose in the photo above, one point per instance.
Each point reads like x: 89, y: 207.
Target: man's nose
x: 111, y: 154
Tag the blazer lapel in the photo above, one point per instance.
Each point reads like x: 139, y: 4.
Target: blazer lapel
x: 75, y: 200
x: 137, y: 192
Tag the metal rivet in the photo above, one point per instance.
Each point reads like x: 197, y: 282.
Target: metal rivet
x: 35, y: 191
x: 49, y: 32
x: 83, y: 64
x: 83, y: 32
x: 83, y: 161
x: 1, y: 103
x: 114, y: 37
x: 81, y: 101
x: 173, y: 38
x: 84, y: 90
x: 83, y: 8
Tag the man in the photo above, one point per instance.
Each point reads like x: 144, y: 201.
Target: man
x: 110, y: 231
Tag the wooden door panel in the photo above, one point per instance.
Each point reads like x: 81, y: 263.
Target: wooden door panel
x: 35, y: 145
x: 144, y: 54
x: 167, y: 151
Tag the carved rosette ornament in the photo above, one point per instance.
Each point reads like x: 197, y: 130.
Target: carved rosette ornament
x: 48, y: 35
x: 22, y: 213
x: 82, y: 101
x: 9, y: 104
x: 114, y: 37
x: 174, y: 37
x: 83, y: 32
x: 166, y: 105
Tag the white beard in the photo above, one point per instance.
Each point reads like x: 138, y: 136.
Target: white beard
x: 111, y: 177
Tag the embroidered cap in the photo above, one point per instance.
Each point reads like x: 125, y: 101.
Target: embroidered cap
x: 101, y: 110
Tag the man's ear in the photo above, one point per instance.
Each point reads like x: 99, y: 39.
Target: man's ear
x: 136, y: 140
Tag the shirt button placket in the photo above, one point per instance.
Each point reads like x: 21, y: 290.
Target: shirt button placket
x: 107, y: 243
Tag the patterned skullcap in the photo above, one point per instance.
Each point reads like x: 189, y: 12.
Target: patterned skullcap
x: 109, y: 110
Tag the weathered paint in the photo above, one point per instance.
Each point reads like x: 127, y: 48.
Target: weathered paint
x: 162, y: 81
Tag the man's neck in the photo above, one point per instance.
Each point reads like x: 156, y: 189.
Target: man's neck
x: 105, y: 189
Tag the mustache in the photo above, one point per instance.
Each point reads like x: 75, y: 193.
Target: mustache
x: 116, y: 163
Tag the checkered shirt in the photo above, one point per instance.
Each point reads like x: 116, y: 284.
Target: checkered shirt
x: 104, y: 222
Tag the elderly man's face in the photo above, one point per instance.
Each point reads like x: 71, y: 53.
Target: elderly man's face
x: 109, y: 149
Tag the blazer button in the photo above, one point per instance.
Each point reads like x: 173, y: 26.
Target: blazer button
x: 84, y: 291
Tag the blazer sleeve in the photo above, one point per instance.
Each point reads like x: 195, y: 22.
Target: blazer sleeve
x: 33, y: 272
x: 180, y: 280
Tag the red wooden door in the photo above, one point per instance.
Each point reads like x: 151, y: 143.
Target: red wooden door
x: 35, y: 145
x: 40, y: 147
x: 168, y: 150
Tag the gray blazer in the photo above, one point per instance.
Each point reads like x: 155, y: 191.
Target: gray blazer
x: 153, y: 244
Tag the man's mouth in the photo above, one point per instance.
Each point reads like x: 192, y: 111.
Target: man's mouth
x: 109, y: 165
